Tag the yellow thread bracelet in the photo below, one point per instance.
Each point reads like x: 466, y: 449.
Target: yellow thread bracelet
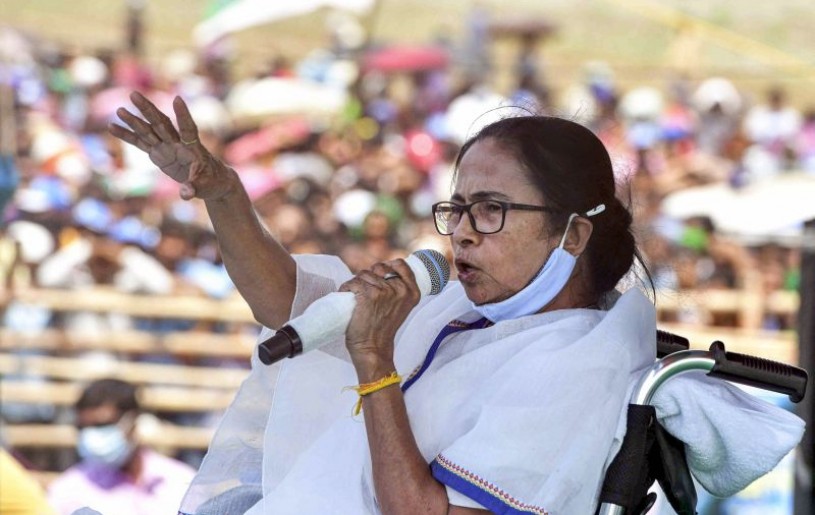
x: 369, y: 388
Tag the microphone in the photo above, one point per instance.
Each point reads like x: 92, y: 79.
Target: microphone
x: 327, y: 318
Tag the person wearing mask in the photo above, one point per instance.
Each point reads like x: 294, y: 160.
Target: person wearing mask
x: 116, y: 474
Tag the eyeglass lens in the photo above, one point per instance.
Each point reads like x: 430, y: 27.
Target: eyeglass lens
x: 487, y: 216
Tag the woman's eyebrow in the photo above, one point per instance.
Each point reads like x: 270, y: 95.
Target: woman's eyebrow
x: 482, y: 195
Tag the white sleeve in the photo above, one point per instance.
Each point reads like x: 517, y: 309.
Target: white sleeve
x: 143, y: 273
x: 236, y: 453
x: 58, y: 269
x: 317, y: 276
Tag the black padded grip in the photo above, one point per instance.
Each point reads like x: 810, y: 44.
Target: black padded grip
x: 285, y: 343
x: 758, y: 372
x: 668, y: 343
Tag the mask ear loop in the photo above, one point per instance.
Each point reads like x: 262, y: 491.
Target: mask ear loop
x: 591, y: 212
x: 568, y: 225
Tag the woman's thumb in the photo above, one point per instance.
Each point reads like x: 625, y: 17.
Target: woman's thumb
x: 187, y: 191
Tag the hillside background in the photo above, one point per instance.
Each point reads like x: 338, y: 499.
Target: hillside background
x: 772, y: 43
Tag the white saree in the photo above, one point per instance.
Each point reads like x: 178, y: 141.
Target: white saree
x: 517, y: 417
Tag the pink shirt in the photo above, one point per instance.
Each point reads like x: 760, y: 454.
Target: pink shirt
x: 163, y: 484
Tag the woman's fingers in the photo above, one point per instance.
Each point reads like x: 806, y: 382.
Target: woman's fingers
x: 128, y: 137
x: 401, y: 267
x: 364, y: 283
x: 141, y: 129
x: 160, y: 123
x: 163, y: 126
x: 186, y: 126
x: 156, y: 127
x: 380, y: 278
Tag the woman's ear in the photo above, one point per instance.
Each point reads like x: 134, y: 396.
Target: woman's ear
x: 578, y: 237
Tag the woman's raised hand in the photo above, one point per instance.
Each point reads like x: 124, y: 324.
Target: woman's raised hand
x: 178, y: 153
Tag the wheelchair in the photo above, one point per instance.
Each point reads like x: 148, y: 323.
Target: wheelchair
x: 649, y: 453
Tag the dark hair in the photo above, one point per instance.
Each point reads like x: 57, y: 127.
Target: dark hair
x: 108, y: 391
x: 571, y: 168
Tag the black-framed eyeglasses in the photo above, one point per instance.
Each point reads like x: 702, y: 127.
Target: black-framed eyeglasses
x: 486, y: 216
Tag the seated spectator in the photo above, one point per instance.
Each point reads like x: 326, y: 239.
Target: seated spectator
x: 93, y: 259
x: 774, y: 124
x: 116, y: 474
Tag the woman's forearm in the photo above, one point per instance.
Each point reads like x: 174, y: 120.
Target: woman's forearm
x: 263, y: 271
x: 402, y: 478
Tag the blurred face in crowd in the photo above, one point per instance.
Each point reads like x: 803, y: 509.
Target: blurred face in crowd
x: 377, y: 225
x: 171, y: 249
x: 103, y: 262
x: 103, y: 269
x: 106, y: 435
x: 493, y: 267
x: 289, y: 222
x: 102, y: 415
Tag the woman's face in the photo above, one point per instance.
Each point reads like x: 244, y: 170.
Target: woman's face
x: 493, y: 267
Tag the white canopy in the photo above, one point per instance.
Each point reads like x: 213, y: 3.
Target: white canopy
x: 241, y: 14
x: 768, y: 208
x: 276, y: 96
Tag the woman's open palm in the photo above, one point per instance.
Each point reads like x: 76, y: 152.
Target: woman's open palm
x: 178, y: 153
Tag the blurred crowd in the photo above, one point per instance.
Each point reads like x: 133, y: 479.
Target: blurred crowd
x: 344, y: 153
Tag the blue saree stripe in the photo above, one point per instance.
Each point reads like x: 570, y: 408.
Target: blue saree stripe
x: 479, y: 490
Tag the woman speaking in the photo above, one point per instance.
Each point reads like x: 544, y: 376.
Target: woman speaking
x: 503, y: 393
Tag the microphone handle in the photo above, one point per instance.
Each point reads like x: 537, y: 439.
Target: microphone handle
x: 327, y: 318
x: 285, y: 343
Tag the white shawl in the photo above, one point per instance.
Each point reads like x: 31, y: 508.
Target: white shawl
x: 519, y: 417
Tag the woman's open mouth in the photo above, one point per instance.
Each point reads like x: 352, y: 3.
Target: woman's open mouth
x: 466, y: 272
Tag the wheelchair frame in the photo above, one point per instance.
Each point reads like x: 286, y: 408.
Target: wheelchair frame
x: 628, y: 477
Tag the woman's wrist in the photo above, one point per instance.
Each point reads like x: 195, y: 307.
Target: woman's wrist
x: 372, y: 367
x: 231, y: 183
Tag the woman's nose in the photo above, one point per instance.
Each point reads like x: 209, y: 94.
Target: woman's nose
x: 464, y: 232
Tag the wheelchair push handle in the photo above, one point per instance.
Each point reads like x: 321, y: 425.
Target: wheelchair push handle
x: 668, y: 343
x: 758, y: 372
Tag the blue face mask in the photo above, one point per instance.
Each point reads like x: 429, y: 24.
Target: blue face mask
x: 104, y: 445
x: 544, y: 287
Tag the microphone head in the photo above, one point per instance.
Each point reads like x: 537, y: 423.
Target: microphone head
x: 437, y: 267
